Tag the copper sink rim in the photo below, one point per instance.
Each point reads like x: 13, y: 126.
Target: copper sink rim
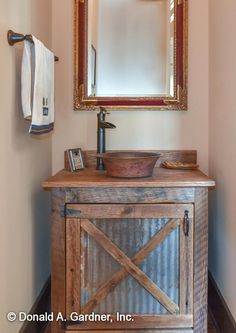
x: 136, y: 155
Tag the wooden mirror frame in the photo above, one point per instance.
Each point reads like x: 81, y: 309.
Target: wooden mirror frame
x: 82, y: 102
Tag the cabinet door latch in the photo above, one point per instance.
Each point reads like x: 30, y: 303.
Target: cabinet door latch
x: 186, y: 223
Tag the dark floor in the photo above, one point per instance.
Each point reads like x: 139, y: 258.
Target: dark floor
x: 211, y: 327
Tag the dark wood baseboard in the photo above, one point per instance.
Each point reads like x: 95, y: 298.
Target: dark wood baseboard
x: 219, y: 310
x: 41, y: 305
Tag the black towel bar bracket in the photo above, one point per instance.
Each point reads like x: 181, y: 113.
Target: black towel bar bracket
x: 14, y: 37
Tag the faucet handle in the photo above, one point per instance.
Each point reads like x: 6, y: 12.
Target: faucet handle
x: 102, y: 109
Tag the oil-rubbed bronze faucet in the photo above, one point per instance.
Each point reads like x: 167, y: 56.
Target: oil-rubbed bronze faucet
x: 101, y: 137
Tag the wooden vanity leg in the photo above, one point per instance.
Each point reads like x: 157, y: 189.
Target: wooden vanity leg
x: 58, y: 258
x: 200, y: 260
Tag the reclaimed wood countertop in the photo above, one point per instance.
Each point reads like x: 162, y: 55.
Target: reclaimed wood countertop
x: 90, y: 177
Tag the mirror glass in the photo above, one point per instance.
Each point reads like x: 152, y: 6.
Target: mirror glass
x: 130, y: 48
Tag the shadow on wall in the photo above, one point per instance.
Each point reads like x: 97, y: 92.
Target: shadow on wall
x: 33, y: 160
x: 41, y: 236
x: 217, y: 230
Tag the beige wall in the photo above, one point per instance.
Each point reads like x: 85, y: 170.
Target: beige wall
x: 222, y: 139
x: 24, y: 221
x: 135, y: 129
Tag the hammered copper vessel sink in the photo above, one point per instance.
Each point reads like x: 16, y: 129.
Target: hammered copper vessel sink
x: 130, y: 164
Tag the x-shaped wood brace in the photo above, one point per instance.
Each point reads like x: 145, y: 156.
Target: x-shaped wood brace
x: 130, y: 266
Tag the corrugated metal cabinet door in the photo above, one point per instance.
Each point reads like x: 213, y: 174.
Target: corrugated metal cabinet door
x: 133, y: 263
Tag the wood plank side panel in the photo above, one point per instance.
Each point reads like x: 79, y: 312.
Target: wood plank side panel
x: 130, y: 195
x: 73, y: 254
x: 200, y: 261
x: 186, y: 269
x: 190, y: 268
x: 58, y: 257
x: 182, y: 270
x: 139, y: 322
x: 131, y: 211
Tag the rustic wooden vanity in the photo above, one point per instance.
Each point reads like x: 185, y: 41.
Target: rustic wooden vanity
x: 132, y: 248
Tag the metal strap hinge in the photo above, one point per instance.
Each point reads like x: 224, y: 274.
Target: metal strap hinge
x: 68, y: 212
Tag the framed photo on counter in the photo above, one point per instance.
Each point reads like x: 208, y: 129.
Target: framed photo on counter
x: 75, y: 158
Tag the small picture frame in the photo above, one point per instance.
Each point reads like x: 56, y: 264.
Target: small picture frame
x: 75, y: 158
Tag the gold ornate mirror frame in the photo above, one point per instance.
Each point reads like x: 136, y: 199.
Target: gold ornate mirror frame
x: 84, y: 102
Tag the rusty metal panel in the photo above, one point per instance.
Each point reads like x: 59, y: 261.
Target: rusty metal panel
x: 161, y: 266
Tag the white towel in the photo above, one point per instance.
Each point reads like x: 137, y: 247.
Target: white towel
x: 37, y: 86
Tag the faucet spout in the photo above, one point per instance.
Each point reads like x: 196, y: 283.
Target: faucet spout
x: 102, y: 124
x: 106, y: 124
